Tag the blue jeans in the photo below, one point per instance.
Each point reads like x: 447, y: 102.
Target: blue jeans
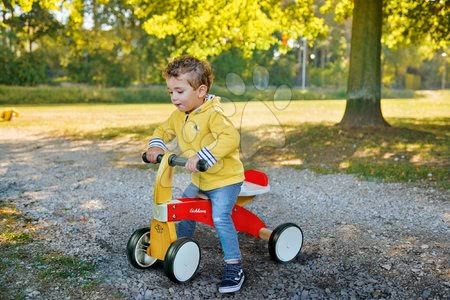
x: 222, y: 202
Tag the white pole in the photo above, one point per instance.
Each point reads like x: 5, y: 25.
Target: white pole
x: 444, y: 72
x: 304, y: 63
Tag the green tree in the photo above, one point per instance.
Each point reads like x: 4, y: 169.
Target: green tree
x: 7, y: 61
x: 22, y: 42
x: 26, y: 19
x: 207, y: 28
x: 408, y: 22
x: 364, y: 81
x: 133, y: 38
x: 114, y: 45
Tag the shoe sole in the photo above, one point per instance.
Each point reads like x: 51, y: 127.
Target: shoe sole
x: 232, y: 289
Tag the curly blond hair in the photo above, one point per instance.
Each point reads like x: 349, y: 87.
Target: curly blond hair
x: 199, y: 70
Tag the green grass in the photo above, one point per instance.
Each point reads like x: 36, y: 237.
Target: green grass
x: 73, y: 94
x: 299, y: 134
x: 12, y: 95
x: 397, y: 154
x: 25, y: 263
x: 56, y: 266
x: 10, y: 232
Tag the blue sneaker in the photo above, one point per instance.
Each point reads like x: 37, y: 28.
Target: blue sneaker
x: 233, y: 278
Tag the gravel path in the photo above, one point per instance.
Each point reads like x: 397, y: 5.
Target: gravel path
x: 363, y: 240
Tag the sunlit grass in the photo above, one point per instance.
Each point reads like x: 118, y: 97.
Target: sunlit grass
x: 83, y: 119
x: 43, y: 269
x: 395, y: 154
x: 10, y: 232
x: 296, y: 133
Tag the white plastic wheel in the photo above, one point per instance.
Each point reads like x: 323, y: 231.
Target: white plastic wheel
x: 285, y: 242
x: 182, y: 260
x: 137, y: 246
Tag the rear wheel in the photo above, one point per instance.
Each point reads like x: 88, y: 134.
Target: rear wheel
x: 137, y: 246
x: 182, y: 260
x: 285, y: 242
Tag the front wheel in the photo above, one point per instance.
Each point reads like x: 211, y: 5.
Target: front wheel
x: 182, y: 260
x: 137, y: 246
x: 285, y: 242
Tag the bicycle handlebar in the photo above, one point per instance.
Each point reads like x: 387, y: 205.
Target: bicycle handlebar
x: 174, y: 160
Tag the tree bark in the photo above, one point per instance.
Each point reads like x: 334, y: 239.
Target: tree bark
x: 364, y: 82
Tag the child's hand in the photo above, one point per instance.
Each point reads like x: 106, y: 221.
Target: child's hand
x: 191, y: 163
x: 152, y: 153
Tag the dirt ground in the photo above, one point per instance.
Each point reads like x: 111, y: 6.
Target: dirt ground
x: 82, y: 199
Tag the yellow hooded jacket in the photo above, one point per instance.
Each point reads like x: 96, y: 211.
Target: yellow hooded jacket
x: 207, y: 132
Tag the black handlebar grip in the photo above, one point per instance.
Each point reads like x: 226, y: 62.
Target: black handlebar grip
x: 144, y: 158
x: 202, y: 165
x: 158, y: 158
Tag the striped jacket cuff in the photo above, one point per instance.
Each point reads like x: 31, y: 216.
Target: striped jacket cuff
x: 205, y: 154
x: 157, y: 142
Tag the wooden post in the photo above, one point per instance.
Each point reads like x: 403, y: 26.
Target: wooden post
x: 265, y: 233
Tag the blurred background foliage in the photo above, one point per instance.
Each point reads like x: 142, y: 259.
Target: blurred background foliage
x: 122, y: 43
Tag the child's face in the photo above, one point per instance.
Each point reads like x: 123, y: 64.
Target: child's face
x: 183, y: 95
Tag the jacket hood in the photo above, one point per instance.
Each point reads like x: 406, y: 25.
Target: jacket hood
x: 211, y: 101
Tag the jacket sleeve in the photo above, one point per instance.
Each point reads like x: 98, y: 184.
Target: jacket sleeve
x: 163, y: 134
x: 226, y: 139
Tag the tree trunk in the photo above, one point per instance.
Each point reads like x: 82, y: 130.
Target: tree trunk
x: 364, y: 82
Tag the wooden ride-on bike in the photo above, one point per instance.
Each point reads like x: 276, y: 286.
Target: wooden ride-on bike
x: 181, y: 256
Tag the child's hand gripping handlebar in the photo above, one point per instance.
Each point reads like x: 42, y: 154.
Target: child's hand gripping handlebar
x: 174, y: 160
